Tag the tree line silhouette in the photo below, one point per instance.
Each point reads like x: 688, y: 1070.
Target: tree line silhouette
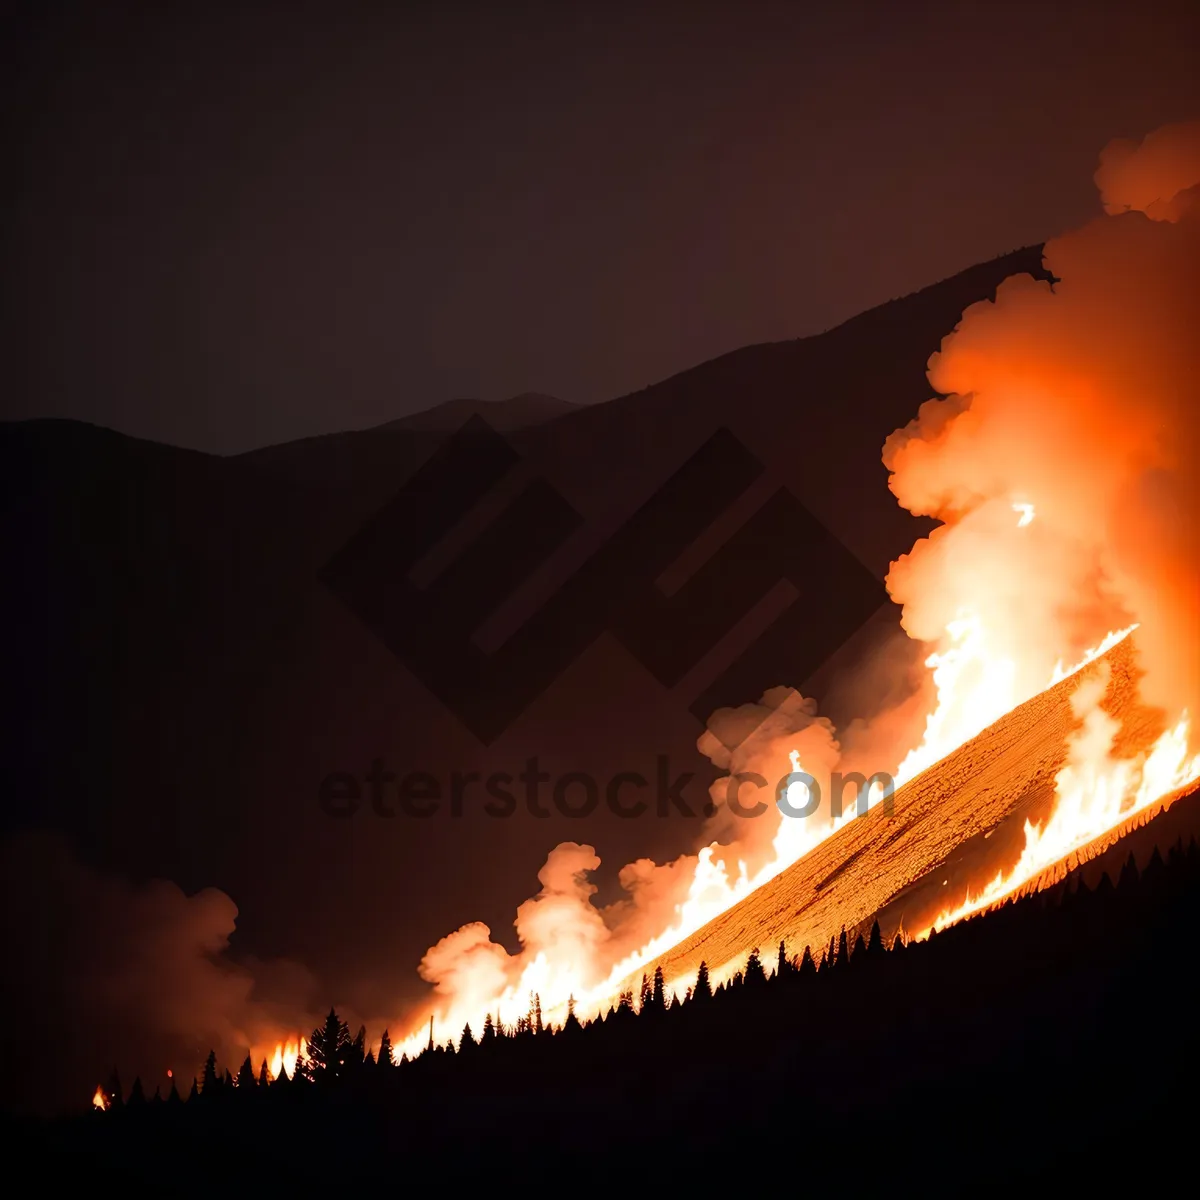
x: 1053, y: 999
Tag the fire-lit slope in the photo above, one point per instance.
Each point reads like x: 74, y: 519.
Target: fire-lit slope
x: 955, y: 825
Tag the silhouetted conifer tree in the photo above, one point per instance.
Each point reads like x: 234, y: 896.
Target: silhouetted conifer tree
x: 157, y: 1098
x: 210, y: 1081
x: 842, y: 958
x: 468, y: 1038
x: 703, y: 989
x: 195, y: 1090
x: 245, y: 1077
x: 387, y: 1057
x: 658, y: 997
x: 571, y: 1024
x: 645, y: 995
x: 173, y: 1096
x: 875, y: 947
x: 489, y: 1031
x: 538, y: 1026
x: 783, y: 964
x: 754, y: 969
x: 137, y: 1097
x: 808, y: 968
x: 264, y: 1076
x: 227, y: 1081
x: 356, y: 1052
x: 327, y: 1049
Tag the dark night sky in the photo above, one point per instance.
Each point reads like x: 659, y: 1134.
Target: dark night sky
x: 232, y: 225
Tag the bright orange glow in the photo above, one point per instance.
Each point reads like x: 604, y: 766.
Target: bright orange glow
x: 285, y: 1056
x: 1095, y: 793
x: 100, y: 1100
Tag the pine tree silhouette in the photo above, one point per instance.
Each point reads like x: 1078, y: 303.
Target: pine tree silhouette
x: 327, y: 1049
x: 538, y: 1027
x: 875, y: 948
x: 173, y: 1096
x: 755, y: 974
x: 646, y: 995
x: 468, y: 1038
x: 489, y: 1031
x: 210, y: 1081
x: 386, y: 1056
x: 195, y: 1091
x: 703, y: 989
x: 783, y: 964
x: 137, y: 1097
x: 658, y: 997
x: 356, y: 1052
x: 808, y: 968
x: 264, y: 1076
x: 245, y: 1077
x: 842, y: 958
x: 571, y: 1025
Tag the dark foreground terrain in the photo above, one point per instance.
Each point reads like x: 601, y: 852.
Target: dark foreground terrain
x: 1050, y: 1042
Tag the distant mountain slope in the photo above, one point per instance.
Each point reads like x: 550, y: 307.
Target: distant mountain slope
x: 517, y: 412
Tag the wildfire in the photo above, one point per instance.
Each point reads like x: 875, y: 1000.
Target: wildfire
x: 1096, y: 793
x: 975, y: 687
x: 1069, y: 394
x: 100, y: 1100
x: 286, y: 1054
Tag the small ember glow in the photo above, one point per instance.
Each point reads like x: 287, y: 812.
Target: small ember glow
x: 1026, y: 511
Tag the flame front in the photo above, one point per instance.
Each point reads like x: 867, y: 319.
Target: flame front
x: 286, y: 1054
x: 1096, y: 794
x: 99, y: 1100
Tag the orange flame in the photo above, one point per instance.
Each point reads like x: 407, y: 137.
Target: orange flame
x: 100, y: 1100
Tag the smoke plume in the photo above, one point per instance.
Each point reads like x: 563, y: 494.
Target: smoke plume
x: 1081, y: 399
x: 138, y: 976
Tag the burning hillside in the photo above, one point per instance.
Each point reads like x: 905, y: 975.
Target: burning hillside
x: 964, y: 821
x: 1059, y: 456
